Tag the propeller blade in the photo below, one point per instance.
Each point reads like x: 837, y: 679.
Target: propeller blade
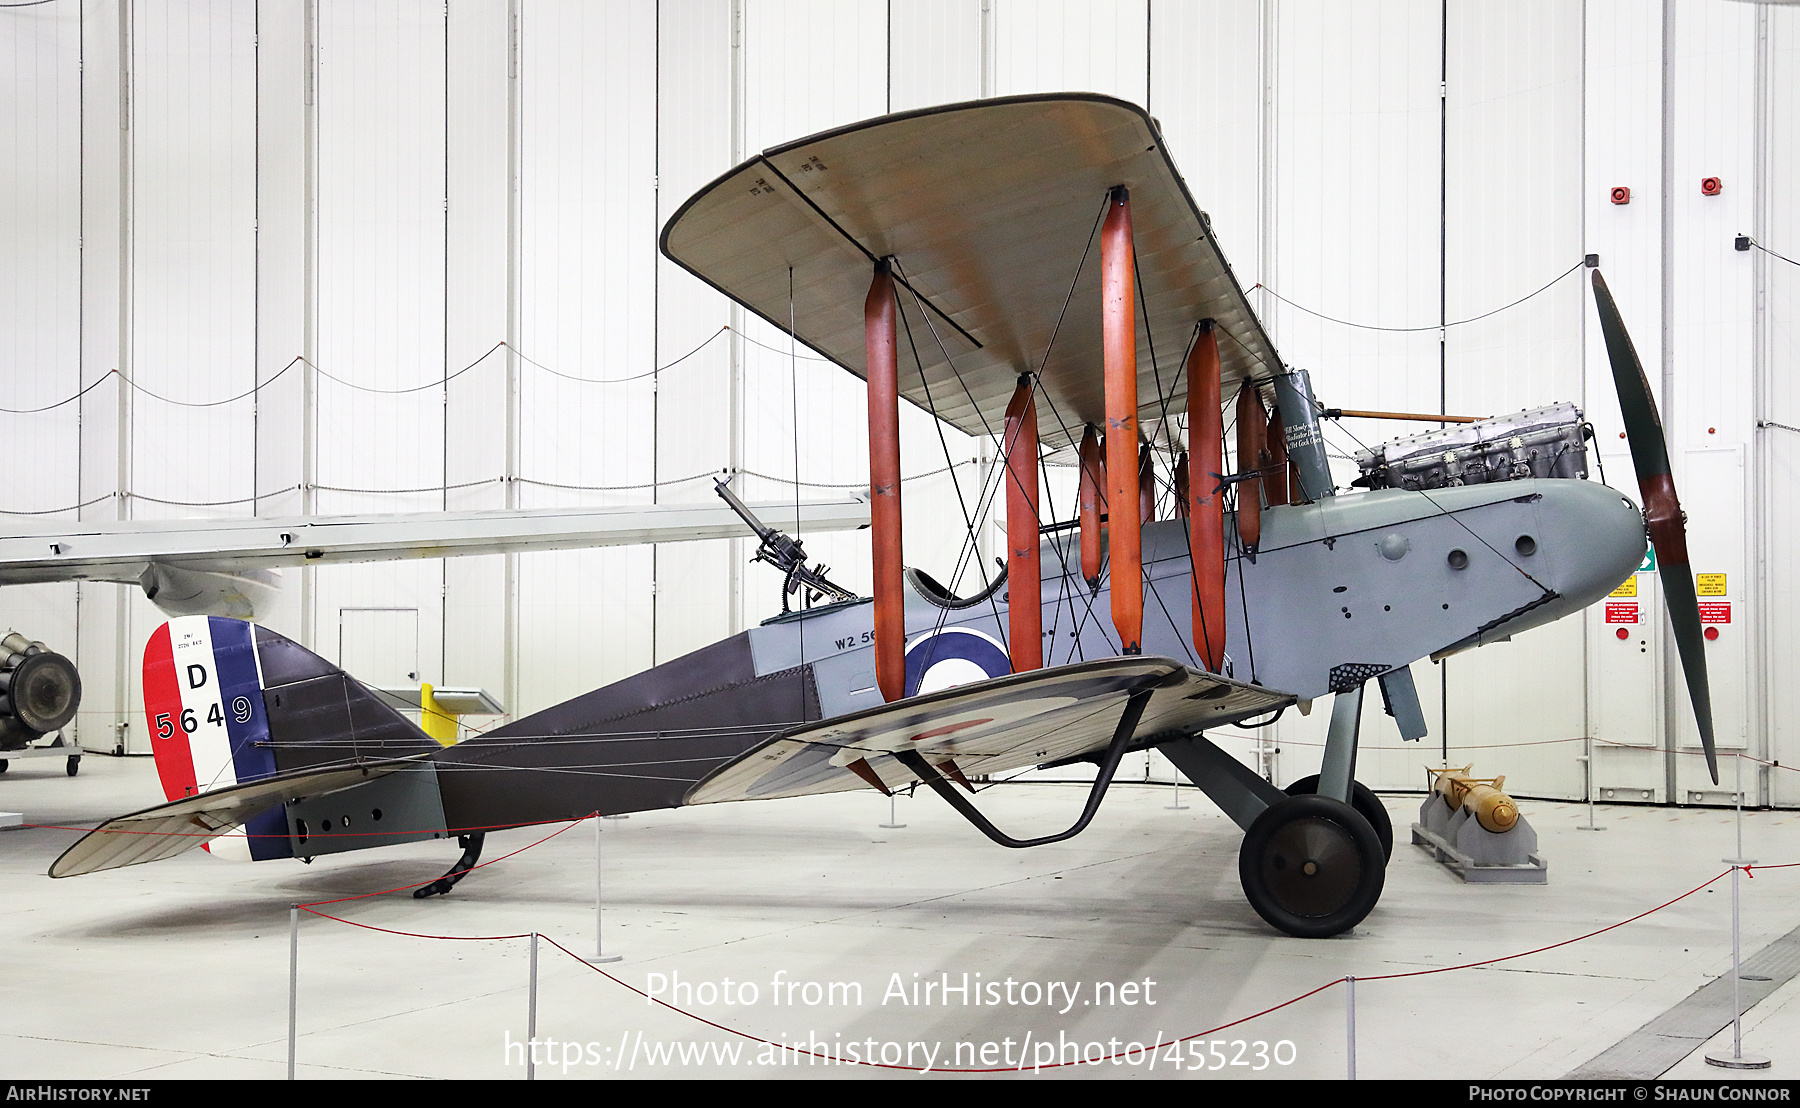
x: 1662, y: 510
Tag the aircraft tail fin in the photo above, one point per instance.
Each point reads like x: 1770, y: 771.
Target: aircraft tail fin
x: 228, y: 703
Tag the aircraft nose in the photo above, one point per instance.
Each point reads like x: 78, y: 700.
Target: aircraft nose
x: 1598, y: 537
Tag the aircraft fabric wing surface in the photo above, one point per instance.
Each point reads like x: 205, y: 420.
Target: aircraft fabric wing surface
x: 988, y: 727
x: 988, y: 208
x: 180, y: 825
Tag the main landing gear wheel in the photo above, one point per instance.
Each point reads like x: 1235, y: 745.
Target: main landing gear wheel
x: 1366, y: 803
x: 1312, y: 866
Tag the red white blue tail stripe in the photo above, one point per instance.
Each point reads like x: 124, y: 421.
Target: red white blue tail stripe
x: 204, y: 707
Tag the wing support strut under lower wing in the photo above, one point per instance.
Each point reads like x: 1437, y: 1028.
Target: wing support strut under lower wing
x: 1128, y: 721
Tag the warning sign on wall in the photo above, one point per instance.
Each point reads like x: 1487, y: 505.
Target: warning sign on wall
x: 1621, y: 613
x: 1709, y: 584
x: 1716, y: 612
x: 1629, y: 588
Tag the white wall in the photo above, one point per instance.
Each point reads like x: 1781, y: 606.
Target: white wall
x: 199, y: 192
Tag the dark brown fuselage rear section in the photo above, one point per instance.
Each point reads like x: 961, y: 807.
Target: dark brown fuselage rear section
x: 635, y: 745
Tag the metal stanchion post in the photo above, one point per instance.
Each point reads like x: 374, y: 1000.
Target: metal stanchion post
x: 1587, y: 761
x: 1350, y: 1025
x: 293, y: 980
x: 600, y: 955
x: 893, y: 823
x: 531, y: 1018
x: 1737, y: 1059
x: 1178, y: 806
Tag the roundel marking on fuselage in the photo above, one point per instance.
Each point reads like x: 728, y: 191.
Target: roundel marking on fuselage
x: 951, y: 657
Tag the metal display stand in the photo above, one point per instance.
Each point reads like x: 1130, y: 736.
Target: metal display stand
x: 60, y: 747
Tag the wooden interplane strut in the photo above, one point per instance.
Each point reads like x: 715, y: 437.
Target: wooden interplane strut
x: 1024, y: 581
x: 1252, y: 455
x: 884, y: 484
x: 1093, y: 479
x: 1206, y: 500
x: 1118, y: 304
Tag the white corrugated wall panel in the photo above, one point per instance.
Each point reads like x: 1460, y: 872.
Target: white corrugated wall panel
x: 40, y: 295
x: 1623, y: 75
x: 1780, y: 231
x: 480, y: 78
x: 587, y: 272
x: 694, y: 414
x: 40, y: 244
x: 193, y: 254
x: 806, y: 68
x: 1206, y: 85
x: 381, y: 199
x: 1072, y: 46
x: 934, y: 53
x: 1710, y: 410
x: 1513, y: 223
x: 381, y: 295
x: 1356, y: 238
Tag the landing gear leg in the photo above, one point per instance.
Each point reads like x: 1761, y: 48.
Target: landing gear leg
x: 1339, y: 768
x: 1313, y: 865
x: 1367, y: 805
x: 471, y: 845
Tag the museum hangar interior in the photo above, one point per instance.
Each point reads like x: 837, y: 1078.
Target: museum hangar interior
x: 311, y: 261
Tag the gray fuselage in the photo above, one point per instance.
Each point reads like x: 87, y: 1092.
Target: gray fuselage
x: 1358, y: 583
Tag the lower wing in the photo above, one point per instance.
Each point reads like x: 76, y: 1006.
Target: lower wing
x: 1025, y: 719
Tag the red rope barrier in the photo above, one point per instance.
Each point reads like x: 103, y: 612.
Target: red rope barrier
x: 998, y: 1069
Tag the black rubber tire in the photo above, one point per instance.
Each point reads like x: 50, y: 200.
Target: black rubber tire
x: 1344, y: 856
x: 74, y: 765
x: 3, y: 764
x: 1364, y: 801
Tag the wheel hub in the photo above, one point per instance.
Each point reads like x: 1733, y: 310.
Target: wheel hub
x: 1311, y: 867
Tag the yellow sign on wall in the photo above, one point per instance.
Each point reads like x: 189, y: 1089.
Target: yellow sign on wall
x: 1628, y: 588
x: 1709, y: 584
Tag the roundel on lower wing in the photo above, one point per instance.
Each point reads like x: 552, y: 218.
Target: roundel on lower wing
x: 951, y: 657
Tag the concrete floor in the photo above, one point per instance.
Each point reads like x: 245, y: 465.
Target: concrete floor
x: 179, y: 969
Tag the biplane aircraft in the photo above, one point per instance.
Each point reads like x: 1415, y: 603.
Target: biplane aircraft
x: 1014, y: 266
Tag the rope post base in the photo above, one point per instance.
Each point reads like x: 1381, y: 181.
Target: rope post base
x: 1737, y: 1059
x: 1178, y: 806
